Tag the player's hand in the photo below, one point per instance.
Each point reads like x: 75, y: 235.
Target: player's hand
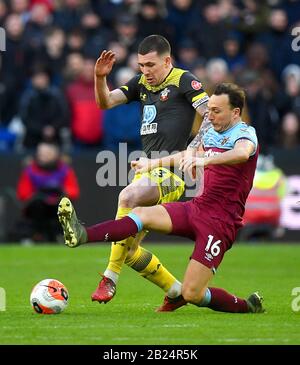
x: 104, y: 63
x: 189, y: 164
x: 141, y: 165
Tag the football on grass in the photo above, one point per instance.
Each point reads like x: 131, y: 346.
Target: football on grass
x: 49, y: 296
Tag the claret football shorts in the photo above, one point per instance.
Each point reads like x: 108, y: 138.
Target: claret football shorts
x: 212, y: 236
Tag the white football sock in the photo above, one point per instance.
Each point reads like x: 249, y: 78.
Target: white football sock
x: 175, y: 290
x: 111, y: 275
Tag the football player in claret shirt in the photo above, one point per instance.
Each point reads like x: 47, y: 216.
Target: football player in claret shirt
x: 169, y: 97
x: 228, y: 155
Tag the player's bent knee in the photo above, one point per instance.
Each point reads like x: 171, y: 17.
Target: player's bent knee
x: 127, y: 198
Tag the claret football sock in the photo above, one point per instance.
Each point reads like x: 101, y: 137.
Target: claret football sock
x: 220, y: 300
x: 149, y: 267
x: 115, y: 230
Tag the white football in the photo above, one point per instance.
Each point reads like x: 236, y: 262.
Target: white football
x: 49, y: 296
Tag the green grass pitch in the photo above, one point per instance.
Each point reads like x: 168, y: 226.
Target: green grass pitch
x: 130, y: 318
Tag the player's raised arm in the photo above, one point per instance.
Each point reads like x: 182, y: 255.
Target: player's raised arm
x: 146, y: 164
x: 241, y: 152
x: 105, y: 98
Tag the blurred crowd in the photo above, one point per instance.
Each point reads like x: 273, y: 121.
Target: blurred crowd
x: 46, y: 71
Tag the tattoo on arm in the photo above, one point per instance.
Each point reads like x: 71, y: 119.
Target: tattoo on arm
x: 205, y: 125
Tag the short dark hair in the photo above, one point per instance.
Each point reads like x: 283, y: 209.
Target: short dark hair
x: 235, y: 94
x: 154, y: 43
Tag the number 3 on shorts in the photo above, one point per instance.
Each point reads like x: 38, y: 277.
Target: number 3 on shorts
x: 213, y: 247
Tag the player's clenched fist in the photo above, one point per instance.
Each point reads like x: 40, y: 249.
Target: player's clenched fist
x: 141, y: 165
x: 104, y: 63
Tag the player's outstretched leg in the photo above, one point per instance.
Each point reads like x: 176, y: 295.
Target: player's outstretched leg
x: 74, y: 232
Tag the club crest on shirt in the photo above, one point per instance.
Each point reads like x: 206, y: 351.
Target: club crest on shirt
x: 224, y: 141
x: 164, y: 94
x: 196, y: 85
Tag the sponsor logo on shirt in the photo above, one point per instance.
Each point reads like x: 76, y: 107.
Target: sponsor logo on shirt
x: 148, y: 129
x: 149, y: 114
x: 209, y: 153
